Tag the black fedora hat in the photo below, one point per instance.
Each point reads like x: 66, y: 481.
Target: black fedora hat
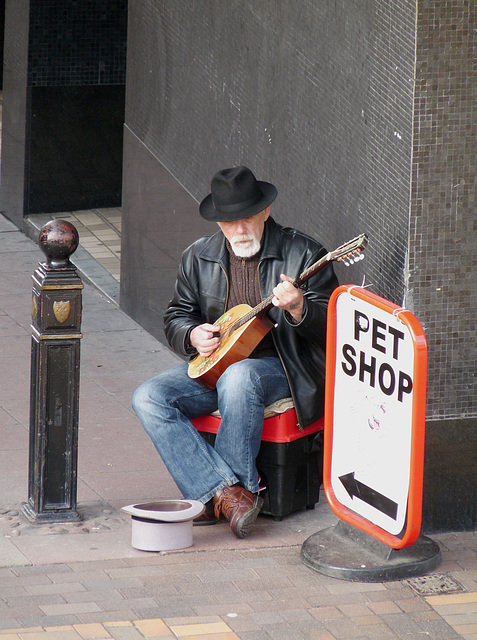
x: 236, y: 194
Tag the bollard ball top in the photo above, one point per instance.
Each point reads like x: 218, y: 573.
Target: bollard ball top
x: 58, y: 239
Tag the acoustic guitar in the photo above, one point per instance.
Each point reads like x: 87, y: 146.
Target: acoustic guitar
x: 242, y: 327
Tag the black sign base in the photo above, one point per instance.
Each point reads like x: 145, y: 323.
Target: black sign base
x: 347, y: 553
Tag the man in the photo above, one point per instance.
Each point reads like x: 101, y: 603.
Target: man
x: 247, y: 260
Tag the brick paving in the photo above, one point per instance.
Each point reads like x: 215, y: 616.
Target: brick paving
x: 85, y: 581
x: 252, y: 591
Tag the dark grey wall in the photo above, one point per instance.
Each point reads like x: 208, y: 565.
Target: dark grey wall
x: 2, y: 38
x: 315, y: 97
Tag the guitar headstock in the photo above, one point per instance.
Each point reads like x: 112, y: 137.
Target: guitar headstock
x: 351, y: 251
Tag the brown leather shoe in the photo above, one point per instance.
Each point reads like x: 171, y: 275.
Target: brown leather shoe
x: 207, y: 517
x: 240, y: 506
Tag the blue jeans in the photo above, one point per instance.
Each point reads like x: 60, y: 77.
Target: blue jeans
x: 166, y: 404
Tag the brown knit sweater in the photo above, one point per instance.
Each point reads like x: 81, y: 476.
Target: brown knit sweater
x: 245, y: 289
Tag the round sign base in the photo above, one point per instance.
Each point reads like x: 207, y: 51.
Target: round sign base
x: 347, y: 553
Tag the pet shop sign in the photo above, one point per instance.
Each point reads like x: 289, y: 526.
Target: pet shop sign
x: 376, y: 376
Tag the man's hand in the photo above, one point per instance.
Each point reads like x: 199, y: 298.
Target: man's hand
x: 289, y: 298
x: 204, y: 338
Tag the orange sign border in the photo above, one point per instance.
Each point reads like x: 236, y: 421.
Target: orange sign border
x: 414, y: 503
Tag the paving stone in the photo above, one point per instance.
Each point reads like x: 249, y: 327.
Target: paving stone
x: 285, y: 632
x: 157, y: 591
x: 17, y: 602
x: 466, y: 629
x: 238, y: 577
x: 326, y: 613
x: 112, y: 584
x: 382, y: 632
x: 19, y: 613
x: 254, y: 585
x: 91, y: 575
x: 127, y: 573
x: 461, y: 618
x: 53, y: 633
x: 367, y: 621
x: 54, y: 620
x: 214, y: 588
x: 230, y: 597
x: 341, y: 586
x: 167, y: 610
x: 107, y: 616
x: 12, y: 591
x: 103, y: 598
x: 354, y: 610
x: 198, y: 628
x: 278, y: 605
x: 322, y: 634
x: 343, y: 629
x: 9, y: 623
x: 125, y: 633
x: 44, y: 569
x: 403, y: 626
x: 152, y: 627
x: 260, y: 634
x: 242, y: 622
x: 413, y: 604
x: 286, y: 594
x: 223, y: 609
x: 67, y: 608
x: 440, y: 630
x: 384, y: 607
x: 81, y: 567
x: 63, y: 588
x: 179, y: 580
x: 452, y: 598
x: 94, y: 631
x: 300, y: 617
x: 24, y: 581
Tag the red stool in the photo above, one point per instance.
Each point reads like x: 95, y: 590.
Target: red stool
x: 289, y: 461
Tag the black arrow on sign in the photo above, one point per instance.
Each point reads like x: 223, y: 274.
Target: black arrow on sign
x: 370, y: 496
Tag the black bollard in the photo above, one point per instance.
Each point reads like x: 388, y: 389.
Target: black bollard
x: 55, y: 368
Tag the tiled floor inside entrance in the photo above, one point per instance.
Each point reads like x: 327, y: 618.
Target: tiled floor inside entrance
x: 100, y: 235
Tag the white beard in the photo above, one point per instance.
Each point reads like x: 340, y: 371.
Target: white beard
x: 249, y: 246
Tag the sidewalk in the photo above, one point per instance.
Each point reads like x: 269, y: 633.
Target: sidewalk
x: 84, y: 580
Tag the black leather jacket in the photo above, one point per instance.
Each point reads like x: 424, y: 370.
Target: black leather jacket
x: 202, y: 289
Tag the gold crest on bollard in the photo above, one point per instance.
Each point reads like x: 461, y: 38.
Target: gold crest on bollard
x: 34, y: 307
x: 61, y: 309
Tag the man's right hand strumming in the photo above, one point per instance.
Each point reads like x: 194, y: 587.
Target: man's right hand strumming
x: 205, y: 339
